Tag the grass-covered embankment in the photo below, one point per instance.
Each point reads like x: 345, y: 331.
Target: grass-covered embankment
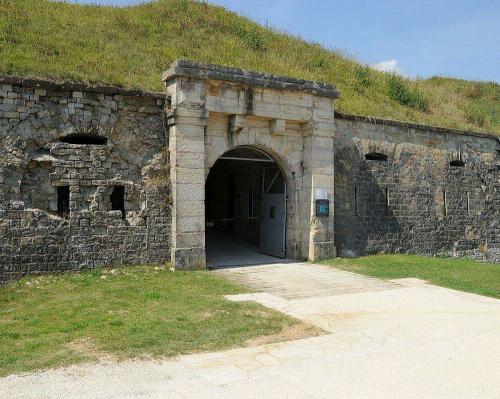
x: 131, y: 47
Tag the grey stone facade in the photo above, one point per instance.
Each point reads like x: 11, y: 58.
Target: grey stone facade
x: 438, y: 192
x: 96, y: 175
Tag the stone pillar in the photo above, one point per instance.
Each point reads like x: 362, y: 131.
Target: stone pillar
x: 318, y: 238
x: 187, y: 120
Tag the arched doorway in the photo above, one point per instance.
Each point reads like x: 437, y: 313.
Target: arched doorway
x: 245, y: 209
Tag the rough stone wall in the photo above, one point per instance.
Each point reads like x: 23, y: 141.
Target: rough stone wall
x: 37, y: 119
x: 85, y: 178
x: 415, y: 201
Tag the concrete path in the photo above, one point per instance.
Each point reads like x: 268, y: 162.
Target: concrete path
x: 303, y: 280
x: 403, y: 339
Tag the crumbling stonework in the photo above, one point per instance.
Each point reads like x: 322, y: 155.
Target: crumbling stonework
x: 96, y: 175
x: 121, y: 143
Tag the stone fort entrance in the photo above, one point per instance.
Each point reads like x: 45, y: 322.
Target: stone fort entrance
x: 216, y: 113
x: 95, y: 176
x: 245, y: 209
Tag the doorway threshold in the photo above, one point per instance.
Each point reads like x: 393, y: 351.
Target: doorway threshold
x: 224, y: 251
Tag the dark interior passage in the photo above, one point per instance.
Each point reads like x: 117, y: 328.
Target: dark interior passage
x: 236, y: 189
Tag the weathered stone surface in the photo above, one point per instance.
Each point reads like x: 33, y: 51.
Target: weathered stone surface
x: 198, y: 70
x: 158, y: 150
x: 189, y: 258
x: 415, y: 201
x: 324, y: 250
x: 35, y: 161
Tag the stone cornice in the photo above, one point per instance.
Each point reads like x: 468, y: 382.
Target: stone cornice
x: 182, y: 68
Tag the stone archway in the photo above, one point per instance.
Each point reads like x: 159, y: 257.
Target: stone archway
x: 245, y: 209
x: 218, y: 109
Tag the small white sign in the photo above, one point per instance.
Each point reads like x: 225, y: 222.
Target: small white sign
x: 321, y: 194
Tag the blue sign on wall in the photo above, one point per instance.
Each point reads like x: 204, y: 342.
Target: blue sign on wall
x: 322, y: 208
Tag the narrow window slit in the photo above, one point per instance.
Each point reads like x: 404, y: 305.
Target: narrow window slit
x: 355, y: 201
x: 63, y: 201
x: 84, y: 139
x: 467, y: 195
x: 457, y: 163
x: 445, y: 205
x: 376, y: 156
x: 117, y: 199
x: 386, y: 195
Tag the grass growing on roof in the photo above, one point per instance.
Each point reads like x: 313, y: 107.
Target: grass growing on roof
x: 131, y: 46
x: 459, y: 274
x: 57, y: 320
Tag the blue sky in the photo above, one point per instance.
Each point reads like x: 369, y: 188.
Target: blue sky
x: 459, y: 38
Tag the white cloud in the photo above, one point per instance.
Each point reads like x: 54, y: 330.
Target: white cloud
x: 388, y: 66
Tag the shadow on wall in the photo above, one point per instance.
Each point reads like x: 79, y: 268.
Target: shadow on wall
x: 409, y: 198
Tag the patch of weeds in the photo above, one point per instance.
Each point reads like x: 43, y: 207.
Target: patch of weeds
x: 473, y: 91
x: 401, y: 90
x: 363, y: 78
x: 184, y: 5
x: 319, y: 62
x: 254, y: 40
x: 252, y: 37
x: 48, y: 50
x: 474, y: 115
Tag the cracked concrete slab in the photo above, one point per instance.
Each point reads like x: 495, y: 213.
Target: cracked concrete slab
x: 411, y: 340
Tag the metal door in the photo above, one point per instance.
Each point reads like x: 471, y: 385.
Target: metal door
x: 273, y: 220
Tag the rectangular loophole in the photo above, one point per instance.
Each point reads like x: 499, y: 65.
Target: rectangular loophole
x: 355, y: 201
x: 467, y: 197
x: 117, y: 199
x: 386, y: 198
x: 445, y: 205
x: 63, y: 201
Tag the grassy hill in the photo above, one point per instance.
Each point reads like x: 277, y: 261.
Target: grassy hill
x: 132, y: 46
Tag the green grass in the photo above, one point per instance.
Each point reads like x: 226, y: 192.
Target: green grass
x: 132, y: 46
x: 460, y: 274
x: 57, y: 320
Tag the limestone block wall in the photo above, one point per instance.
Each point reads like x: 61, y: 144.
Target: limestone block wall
x: 438, y: 192
x: 83, y: 177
